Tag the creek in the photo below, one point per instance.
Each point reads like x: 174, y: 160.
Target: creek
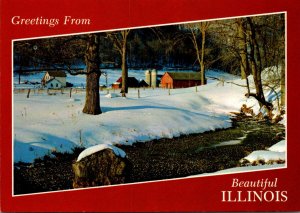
x: 161, y: 159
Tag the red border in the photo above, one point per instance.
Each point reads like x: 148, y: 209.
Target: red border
x: 196, y: 194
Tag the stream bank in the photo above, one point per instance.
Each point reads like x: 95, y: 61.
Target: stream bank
x: 161, y: 159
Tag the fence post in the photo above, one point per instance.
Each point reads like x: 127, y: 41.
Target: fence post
x: 138, y: 93
x: 80, y: 138
x: 28, y: 93
x: 71, y: 92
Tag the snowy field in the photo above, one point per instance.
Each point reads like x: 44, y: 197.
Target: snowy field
x: 45, y: 123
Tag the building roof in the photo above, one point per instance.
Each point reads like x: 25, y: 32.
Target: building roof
x: 129, y: 80
x: 143, y: 83
x: 57, y: 73
x: 185, y: 75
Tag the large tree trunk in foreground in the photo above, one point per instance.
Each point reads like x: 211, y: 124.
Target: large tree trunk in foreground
x: 92, y: 98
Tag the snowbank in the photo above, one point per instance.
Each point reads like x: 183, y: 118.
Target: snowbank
x: 250, y: 168
x: 242, y: 170
x: 265, y: 156
x: 44, y: 123
x: 276, y: 153
x: 278, y: 147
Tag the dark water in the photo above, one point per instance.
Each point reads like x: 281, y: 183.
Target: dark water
x: 201, y: 153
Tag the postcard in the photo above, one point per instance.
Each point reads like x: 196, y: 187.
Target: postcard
x: 131, y: 105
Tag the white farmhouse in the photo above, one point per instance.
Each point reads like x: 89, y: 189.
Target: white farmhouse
x: 53, y: 84
x: 54, y: 79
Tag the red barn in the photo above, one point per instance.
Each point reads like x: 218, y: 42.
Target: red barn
x: 180, y: 79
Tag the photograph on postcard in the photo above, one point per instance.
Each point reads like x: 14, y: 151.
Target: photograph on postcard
x: 150, y: 103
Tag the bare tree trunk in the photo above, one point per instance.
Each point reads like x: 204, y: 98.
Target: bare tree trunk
x: 255, y: 61
x: 244, y: 64
x: 203, y: 26
x: 20, y: 76
x: 124, y: 88
x: 202, y: 68
x: 92, y: 100
x: 243, y: 49
x: 194, y: 40
x: 120, y: 42
x: 282, y: 85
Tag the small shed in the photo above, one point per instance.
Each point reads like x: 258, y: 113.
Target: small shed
x: 180, y: 79
x: 131, y: 81
x: 116, y: 85
x: 58, y: 75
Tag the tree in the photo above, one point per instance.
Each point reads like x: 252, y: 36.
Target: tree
x: 92, y: 61
x: 242, y: 45
x: 195, y: 29
x: 242, y: 51
x: 120, y: 42
x: 67, y: 53
x: 271, y: 33
x: 252, y: 45
x: 156, y: 47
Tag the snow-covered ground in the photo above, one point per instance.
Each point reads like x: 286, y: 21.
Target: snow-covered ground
x: 45, y: 123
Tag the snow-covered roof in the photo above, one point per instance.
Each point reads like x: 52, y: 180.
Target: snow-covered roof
x: 129, y: 79
x: 57, y: 73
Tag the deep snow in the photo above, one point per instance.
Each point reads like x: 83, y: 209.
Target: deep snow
x: 45, y: 123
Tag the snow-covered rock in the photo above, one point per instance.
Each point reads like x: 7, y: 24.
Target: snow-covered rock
x: 91, y: 150
x: 101, y: 165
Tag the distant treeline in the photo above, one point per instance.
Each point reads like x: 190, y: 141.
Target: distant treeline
x: 173, y: 46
